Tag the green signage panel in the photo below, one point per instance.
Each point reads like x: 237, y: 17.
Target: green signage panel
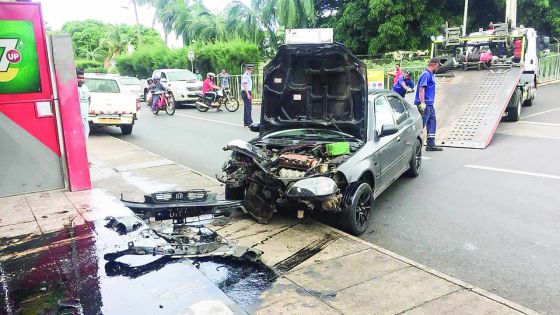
x: 19, y: 66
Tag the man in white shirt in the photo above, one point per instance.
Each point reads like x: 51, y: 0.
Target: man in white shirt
x: 85, y: 100
x: 246, y: 89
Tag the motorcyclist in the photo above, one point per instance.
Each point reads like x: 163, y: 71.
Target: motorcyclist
x: 208, y: 87
x: 156, y: 86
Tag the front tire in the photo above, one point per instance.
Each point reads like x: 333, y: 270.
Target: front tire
x: 170, y: 107
x: 126, y: 129
x: 231, y: 104
x: 415, y: 160
x: 356, y: 215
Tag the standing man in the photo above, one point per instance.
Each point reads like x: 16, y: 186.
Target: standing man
x: 246, y: 89
x: 197, y: 74
x: 223, y: 79
x: 397, y: 74
x: 85, y: 100
x: 425, y: 97
x: 404, y: 85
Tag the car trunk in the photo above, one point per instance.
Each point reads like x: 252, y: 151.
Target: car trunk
x: 315, y: 86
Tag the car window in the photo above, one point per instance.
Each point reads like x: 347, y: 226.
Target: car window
x: 129, y: 81
x: 163, y: 76
x: 383, y: 114
x: 399, y: 109
x: 102, y: 85
x: 183, y: 75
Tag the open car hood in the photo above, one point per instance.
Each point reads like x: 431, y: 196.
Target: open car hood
x: 315, y: 85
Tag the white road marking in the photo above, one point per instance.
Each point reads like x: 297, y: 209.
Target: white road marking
x: 538, y: 123
x: 426, y: 158
x: 537, y: 114
x: 503, y: 170
x: 211, y: 120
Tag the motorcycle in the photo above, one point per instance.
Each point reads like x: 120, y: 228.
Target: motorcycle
x: 164, y: 102
x: 223, y: 97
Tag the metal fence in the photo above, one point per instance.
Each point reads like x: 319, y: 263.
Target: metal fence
x: 235, y: 87
x: 549, y: 71
x: 549, y: 68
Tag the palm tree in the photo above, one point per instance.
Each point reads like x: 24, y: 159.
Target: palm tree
x: 295, y: 13
x: 115, y: 42
x: 245, y: 21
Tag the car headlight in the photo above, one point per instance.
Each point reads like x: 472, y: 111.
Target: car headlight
x: 312, y: 188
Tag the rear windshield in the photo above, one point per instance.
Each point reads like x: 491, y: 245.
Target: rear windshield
x: 102, y: 85
x: 129, y: 81
x: 180, y: 76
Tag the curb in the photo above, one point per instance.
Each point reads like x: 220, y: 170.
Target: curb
x: 436, y: 273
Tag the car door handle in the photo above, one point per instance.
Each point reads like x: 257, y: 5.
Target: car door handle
x: 399, y: 138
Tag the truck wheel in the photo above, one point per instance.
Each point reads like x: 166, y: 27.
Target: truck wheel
x: 514, y: 107
x: 415, y: 160
x: 126, y: 129
x: 356, y: 216
x: 234, y: 193
x: 445, y: 64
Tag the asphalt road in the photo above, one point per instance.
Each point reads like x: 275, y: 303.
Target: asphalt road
x: 489, y: 217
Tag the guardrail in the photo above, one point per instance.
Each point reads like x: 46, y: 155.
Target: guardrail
x: 235, y: 87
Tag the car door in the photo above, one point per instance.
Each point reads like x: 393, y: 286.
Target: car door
x: 388, y: 145
x: 403, y: 137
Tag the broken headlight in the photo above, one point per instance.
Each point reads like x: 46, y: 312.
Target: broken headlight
x: 315, y: 187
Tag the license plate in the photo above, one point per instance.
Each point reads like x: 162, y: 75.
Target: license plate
x: 109, y: 120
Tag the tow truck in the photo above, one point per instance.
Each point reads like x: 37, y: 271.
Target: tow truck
x: 484, y: 78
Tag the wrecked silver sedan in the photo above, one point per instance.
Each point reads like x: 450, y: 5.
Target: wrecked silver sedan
x: 324, y: 143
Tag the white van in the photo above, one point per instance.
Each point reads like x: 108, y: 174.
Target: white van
x: 111, y: 103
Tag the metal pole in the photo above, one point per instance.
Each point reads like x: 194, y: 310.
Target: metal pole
x: 465, y: 18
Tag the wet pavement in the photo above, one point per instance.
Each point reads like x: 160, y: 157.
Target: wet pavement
x: 54, y: 247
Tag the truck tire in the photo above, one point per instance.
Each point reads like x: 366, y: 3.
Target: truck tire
x: 445, y: 64
x: 355, y: 216
x: 126, y: 129
x: 528, y: 102
x: 415, y: 160
x: 234, y: 193
x: 514, y: 107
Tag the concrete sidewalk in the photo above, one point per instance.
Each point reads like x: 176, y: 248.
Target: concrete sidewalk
x: 309, y: 268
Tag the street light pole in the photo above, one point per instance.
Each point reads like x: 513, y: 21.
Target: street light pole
x: 465, y: 18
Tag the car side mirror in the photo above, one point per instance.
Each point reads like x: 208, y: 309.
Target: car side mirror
x: 388, y: 129
x: 255, y: 127
x: 163, y: 80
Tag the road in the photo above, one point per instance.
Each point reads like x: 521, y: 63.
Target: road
x: 488, y: 217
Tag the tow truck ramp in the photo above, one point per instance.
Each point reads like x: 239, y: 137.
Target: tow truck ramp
x: 470, y: 105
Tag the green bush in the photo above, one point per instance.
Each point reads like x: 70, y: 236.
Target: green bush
x: 95, y: 70
x: 209, y: 57
x: 88, y: 64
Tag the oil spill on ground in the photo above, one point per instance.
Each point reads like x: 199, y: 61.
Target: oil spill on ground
x: 242, y: 281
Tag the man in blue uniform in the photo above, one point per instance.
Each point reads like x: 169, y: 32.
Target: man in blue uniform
x: 425, y: 97
x: 404, y: 84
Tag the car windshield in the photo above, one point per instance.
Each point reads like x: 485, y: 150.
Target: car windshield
x: 129, y: 81
x: 315, y: 134
x: 102, y: 86
x: 180, y: 76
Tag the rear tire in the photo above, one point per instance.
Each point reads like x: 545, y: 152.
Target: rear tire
x: 200, y: 107
x: 126, y: 129
x: 415, y: 161
x: 356, y: 216
x: 514, y: 107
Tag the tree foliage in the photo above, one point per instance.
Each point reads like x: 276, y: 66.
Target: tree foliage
x: 209, y: 57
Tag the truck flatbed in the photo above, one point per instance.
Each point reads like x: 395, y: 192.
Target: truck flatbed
x: 470, y: 105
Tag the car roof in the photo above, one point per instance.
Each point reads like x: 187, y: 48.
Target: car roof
x: 375, y: 92
x: 173, y: 70
x: 99, y: 76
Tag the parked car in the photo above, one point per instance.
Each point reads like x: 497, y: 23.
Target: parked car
x: 110, y: 104
x: 130, y: 85
x: 325, y: 143
x: 183, y: 85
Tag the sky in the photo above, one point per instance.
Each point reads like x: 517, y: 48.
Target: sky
x: 57, y: 12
